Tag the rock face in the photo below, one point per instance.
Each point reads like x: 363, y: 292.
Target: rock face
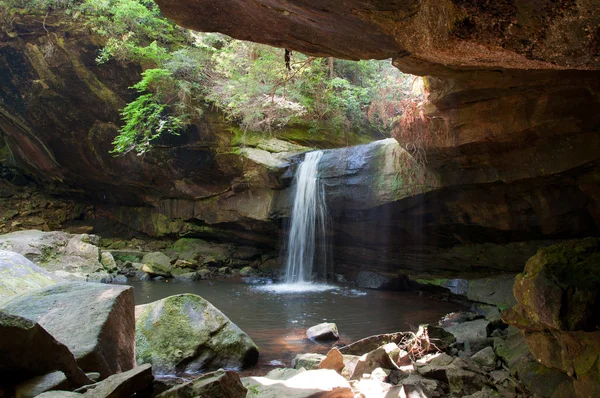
x: 19, y: 275
x: 512, y: 151
x: 96, y: 322
x: 187, y: 333
x: 508, y: 94
x: 558, y: 307
x: 28, y: 350
x: 419, y: 33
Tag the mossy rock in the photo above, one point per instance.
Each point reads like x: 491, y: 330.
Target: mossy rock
x: 19, y: 275
x: 157, y: 263
x: 186, y: 333
x: 560, y: 287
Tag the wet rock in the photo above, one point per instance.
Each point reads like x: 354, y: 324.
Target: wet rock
x: 19, y: 275
x: 334, y: 361
x: 204, y: 273
x: 120, y: 385
x: 307, y: 361
x: 28, y: 350
x: 219, y: 384
x: 187, y: 333
x: 323, y: 332
x: 224, y: 270
x: 312, y: 383
x: 95, y: 321
x: 158, y: 264
x: 37, y: 385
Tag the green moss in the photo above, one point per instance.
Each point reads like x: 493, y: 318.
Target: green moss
x: 573, y: 263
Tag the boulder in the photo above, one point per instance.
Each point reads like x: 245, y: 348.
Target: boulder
x: 157, y: 263
x: 323, y: 332
x: 81, y: 246
x: 28, y: 350
x: 310, y: 384
x: 434, y: 366
x: 19, y: 275
x: 558, y: 307
x: 33, y: 387
x: 36, y: 245
x: 383, y: 357
x: 187, y: 333
x: 108, y: 261
x: 119, y: 385
x: 559, y: 288
x: 95, y: 321
x: 485, y: 358
x: 219, y: 384
x: 465, y: 377
x: 472, y: 333
x: 334, y: 361
x: 307, y: 361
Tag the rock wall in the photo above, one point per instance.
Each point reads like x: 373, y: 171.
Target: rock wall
x: 513, y: 168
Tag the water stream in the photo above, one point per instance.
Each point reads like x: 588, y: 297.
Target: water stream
x: 306, y: 248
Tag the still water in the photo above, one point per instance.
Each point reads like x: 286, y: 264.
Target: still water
x: 277, y: 319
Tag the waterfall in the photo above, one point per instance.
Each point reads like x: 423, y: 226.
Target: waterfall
x: 308, y: 225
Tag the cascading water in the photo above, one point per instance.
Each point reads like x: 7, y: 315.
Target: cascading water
x: 304, y: 263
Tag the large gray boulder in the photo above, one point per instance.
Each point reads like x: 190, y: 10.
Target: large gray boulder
x: 157, y: 263
x: 187, y: 333
x: 95, y: 321
x: 19, y: 275
x: 27, y: 350
x: 71, y: 256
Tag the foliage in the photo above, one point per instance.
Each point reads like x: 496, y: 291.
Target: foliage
x: 250, y: 83
x: 147, y: 117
